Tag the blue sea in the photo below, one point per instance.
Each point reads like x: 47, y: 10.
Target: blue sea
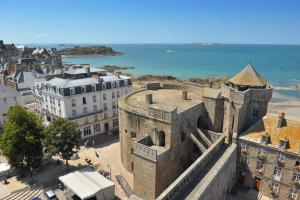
x: 280, y: 64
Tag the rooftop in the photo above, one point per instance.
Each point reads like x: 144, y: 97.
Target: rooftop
x: 67, y: 83
x: 165, y: 98
x: 85, y: 182
x: 212, y: 93
x: 268, y: 126
x: 248, y: 77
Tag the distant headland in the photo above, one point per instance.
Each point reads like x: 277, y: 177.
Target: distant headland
x: 78, y: 51
x: 205, y: 43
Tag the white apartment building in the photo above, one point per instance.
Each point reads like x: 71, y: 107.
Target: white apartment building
x: 8, y: 98
x: 85, y: 95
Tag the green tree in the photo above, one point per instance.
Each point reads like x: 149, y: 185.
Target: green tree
x: 62, y: 138
x: 21, y: 139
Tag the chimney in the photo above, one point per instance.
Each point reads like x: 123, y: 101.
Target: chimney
x: 1, y: 44
x: 88, y: 69
x: 281, y: 120
x: 210, y: 84
x: 184, y: 95
x: 149, y: 99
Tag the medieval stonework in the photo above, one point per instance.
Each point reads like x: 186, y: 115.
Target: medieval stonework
x: 178, y: 141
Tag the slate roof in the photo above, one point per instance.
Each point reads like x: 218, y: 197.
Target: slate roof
x: 68, y: 83
x: 248, y: 77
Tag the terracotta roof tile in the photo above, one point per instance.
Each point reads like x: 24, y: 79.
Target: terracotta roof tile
x: 268, y: 125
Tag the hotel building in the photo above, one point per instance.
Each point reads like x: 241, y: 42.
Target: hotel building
x: 85, y: 95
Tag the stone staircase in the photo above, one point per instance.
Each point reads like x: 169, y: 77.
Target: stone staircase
x: 198, y: 137
x: 24, y: 194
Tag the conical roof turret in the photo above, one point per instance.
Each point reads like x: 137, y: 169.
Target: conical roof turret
x: 248, y: 77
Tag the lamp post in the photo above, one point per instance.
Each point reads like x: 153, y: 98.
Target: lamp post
x: 31, y: 169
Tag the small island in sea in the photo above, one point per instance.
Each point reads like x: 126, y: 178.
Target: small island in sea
x: 78, y: 51
x: 205, y: 43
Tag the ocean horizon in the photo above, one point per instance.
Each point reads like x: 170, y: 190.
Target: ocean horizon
x: 278, y: 63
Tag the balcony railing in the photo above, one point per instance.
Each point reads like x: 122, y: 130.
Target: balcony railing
x: 85, y: 114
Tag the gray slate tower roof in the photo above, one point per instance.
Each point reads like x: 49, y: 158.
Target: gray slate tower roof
x: 248, y: 77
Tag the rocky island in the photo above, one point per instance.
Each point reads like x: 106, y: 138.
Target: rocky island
x: 78, y: 51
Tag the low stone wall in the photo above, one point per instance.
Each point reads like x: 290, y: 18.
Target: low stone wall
x: 213, y: 136
x: 145, y: 152
x: 152, y: 86
x: 219, y: 181
x: 188, y: 175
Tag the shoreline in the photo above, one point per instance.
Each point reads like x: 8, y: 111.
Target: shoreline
x: 85, y: 56
x: 279, y: 103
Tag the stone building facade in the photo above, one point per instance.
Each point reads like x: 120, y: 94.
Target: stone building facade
x: 86, y: 96
x: 165, y: 129
x: 268, y: 158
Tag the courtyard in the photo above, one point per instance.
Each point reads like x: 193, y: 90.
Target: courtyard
x: 102, y: 152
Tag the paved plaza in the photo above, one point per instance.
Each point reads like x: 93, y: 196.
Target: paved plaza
x: 102, y: 150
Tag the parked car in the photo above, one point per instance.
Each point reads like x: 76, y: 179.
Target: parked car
x: 50, y: 195
x: 36, y: 198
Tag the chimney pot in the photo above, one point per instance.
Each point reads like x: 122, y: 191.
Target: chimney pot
x: 281, y: 120
x: 149, y: 99
x: 184, y: 95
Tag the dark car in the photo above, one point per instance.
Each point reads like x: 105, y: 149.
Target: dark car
x: 35, y: 198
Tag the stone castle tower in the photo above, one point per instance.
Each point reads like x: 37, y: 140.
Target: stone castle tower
x: 246, y: 96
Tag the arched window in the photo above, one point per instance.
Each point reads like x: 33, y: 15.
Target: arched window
x: 161, y: 138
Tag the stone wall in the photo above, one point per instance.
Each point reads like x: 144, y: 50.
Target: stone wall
x: 220, y: 179
x: 133, y: 127
x: 212, y: 136
x: 192, y: 171
x: 213, y: 116
x: 265, y: 175
x: 243, y: 108
x: 144, y: 177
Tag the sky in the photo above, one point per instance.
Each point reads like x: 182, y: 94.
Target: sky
x: 150, y: 21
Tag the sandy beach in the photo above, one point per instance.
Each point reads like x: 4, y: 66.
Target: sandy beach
x: 289, y: 105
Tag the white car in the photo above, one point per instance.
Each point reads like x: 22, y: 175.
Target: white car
x: 50, y: 195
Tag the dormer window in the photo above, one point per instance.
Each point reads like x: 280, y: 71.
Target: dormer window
x: 72, y: 90
x: 265, y: 139
x: 94, y: 88
x: 83, y: 90
x: 283, y: 143
x: 297, y: 163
